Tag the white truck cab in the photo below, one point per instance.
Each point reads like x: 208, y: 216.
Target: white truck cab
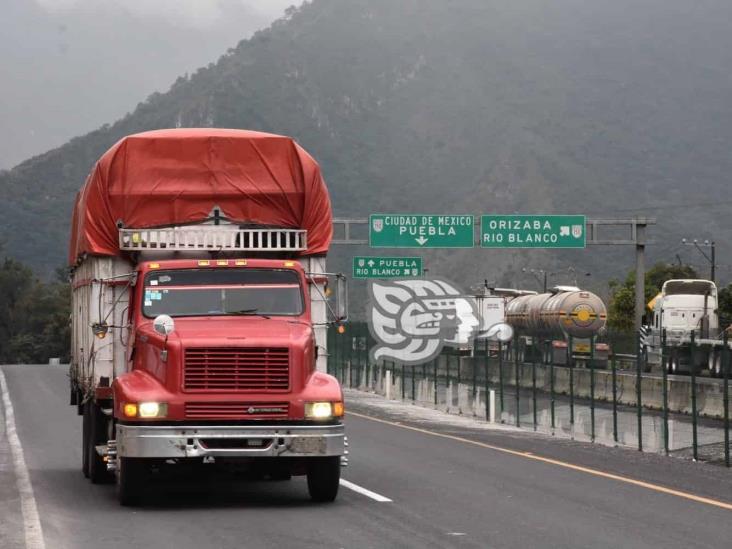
x: 686, y: 305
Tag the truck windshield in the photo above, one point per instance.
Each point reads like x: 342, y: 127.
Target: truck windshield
x: 218, y: 292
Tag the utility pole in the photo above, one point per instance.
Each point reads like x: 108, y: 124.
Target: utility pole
x: 535, y: 272
x: 714, y: 261
x: 640, y: 274
x: 712, y: 257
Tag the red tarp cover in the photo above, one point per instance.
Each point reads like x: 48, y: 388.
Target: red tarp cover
x: 170, y: 177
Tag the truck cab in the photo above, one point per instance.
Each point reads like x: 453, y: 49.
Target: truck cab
x: 684, y: 306
x: 222, y: 365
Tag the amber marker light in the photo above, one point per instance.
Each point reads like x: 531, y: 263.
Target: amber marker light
x: 130, y: 409
x: 338, y: 409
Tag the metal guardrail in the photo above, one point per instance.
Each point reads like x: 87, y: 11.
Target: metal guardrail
x: 652, y: 412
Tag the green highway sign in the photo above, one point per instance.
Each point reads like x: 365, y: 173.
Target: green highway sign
x: 532, y: 231
x: 387, y: 267
x: 420, y: 231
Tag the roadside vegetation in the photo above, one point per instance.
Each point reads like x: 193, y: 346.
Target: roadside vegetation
x: 34, y: 315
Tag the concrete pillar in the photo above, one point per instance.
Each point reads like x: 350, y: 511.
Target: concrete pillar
x: 492, y: 406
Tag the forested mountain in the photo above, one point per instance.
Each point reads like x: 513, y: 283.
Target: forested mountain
x: 460, y: 106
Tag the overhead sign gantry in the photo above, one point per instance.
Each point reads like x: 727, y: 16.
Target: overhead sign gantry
x: 433, y: 231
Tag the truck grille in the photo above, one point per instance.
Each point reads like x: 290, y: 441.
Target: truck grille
x: 237, y: 369
x: 236, y: 410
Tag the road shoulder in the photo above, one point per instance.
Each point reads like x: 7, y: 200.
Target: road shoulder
x: 700, y: 479
x: 11, y: 516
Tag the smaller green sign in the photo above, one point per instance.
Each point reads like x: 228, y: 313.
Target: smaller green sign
x: 387, y: 267
x: 532, y: 231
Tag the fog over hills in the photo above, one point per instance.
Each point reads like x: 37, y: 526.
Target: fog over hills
x: 69, y: 66
x: 611, y: 109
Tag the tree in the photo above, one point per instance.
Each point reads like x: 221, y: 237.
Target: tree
x: 622, y: 301
x: 34, y: 316
x: 725, y: 306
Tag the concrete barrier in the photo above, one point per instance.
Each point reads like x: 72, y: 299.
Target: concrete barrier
x: 460, y: 399
x: 709, y: 392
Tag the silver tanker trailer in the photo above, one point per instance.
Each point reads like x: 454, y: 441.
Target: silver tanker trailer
x: 547, y: 324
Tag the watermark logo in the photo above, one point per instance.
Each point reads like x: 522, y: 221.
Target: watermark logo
x: 412, y: 320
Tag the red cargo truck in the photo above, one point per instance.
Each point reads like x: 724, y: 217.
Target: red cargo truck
x: 200, y: 308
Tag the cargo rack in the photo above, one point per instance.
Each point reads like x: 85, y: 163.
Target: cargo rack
x: 220, y: 238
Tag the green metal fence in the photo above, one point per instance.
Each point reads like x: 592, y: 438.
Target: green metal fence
x: 627, y: 403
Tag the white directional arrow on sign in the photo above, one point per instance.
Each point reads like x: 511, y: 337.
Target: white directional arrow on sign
x: 371, y: 263
x: 421, y: 240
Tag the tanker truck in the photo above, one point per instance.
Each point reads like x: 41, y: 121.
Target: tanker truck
x: 563, y: 322
x: 200, y: 305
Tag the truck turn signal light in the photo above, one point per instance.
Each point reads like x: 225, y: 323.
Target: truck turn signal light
x: 130, y: 409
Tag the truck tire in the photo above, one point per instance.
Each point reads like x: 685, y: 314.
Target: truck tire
x: 715, y: 363
x: 97, y: 434
x: 131, y: 478
x: 85, y: 445
x: 548, y: 356
x: 324, y: 475
x: 673, y: 362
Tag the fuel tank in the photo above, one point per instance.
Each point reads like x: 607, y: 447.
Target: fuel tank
x: 575, y: 313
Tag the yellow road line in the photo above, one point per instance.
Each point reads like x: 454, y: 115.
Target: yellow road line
x: 559, y: 463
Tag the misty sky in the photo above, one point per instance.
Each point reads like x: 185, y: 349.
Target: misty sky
x: 69, y: 66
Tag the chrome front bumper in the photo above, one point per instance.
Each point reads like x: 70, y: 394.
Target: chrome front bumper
x: 164, y: 441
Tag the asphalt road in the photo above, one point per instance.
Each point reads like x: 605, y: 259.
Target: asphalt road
x: 509, y: 490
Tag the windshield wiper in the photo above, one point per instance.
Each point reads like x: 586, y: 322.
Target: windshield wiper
x: 245, y: 312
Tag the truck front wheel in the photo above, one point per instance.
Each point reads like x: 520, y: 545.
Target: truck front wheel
x: 324, y: 476
x: 85, y: 445
x: 96, y: 430
x: 131, y: 478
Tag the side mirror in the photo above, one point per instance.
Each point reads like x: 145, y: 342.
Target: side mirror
x: 335, y: 300
x: 341, y: 308
x: 164, y: 325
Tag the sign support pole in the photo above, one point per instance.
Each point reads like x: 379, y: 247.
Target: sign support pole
x: 640, y: 275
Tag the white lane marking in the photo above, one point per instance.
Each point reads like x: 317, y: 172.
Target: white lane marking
x: 31, y: 522
x: 364, y: 492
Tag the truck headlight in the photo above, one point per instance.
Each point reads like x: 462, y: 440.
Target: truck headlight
x: 152, y: 409
x: 145, y: 409
x: 323, y: 410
